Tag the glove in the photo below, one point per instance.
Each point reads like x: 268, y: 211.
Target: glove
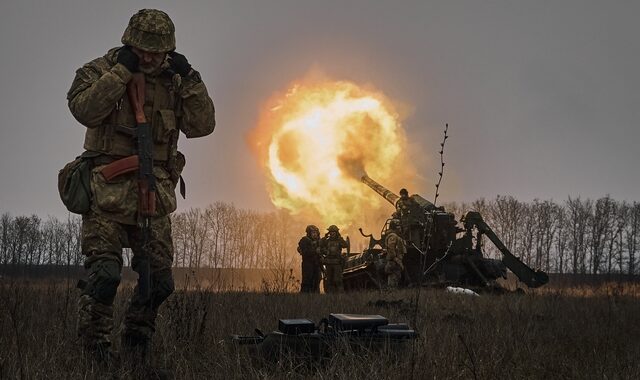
x: 128, y: 59
x: 179, y: 63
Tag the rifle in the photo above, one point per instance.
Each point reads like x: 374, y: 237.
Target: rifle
x: 146, y: 182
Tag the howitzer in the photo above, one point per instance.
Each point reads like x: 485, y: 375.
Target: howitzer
x: 435, y: 253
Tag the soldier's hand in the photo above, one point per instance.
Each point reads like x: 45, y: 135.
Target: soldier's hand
x: 179, y: 63
x: 128, y: 58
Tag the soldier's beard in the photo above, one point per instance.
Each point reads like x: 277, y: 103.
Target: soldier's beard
x: 151, y: 68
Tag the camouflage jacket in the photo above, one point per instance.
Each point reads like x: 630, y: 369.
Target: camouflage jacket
x: 396, y: 247
x: 98, y: 100
x: 331, y: 249
x: 407, y: 206
x: 308, y: 249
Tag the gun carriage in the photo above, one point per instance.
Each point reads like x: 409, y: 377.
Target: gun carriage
x: 440, y: 251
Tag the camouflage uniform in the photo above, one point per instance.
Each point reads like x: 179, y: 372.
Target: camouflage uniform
x: 331, y: 248
x: 98, y: 100
x: 396, y: 250
x: 406, y: 206
x: 411, y: 217
x: 308, y: 247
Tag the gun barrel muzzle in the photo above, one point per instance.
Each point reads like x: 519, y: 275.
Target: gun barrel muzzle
x: 387, y: 194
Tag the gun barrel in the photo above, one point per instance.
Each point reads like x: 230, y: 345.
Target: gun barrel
x: 387, y: 194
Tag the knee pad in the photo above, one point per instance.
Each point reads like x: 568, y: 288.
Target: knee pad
x: 163, y: 286
x: 104, y: 278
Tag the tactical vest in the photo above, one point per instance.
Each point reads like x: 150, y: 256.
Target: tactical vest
x: 162, y: 110
x: 334, y: 247
x: 311, y: 244
x: 397, y: 249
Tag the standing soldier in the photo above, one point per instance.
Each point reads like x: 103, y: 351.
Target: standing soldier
x: 175, y: 99
x: 406, y: 206
x: 411, y: 218
x: 396, y: 249
x: 308, y: 248
x: 331, y: 248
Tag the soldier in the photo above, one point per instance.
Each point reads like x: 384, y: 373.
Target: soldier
x: 176, y: 100
x: 396, y: 250
x: 308, y: 248
x: 406, y: 205
x: 331, y: 249
x: 410, y: 216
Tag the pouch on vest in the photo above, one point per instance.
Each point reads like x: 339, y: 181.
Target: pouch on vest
x: 164, y: 125
x: 74, y: 185
x: 165, y: 192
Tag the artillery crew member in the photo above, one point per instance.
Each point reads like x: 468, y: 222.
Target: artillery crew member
x: 396, y: 249
x: 309, y: 249
x: 410, y: 216
x: 406, y: 205
x: 331, y: 247
x: 175, y: 100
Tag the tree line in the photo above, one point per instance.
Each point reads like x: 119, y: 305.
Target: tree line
x: 574, y: 236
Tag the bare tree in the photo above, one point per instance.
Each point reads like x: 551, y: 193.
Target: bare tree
x: 579, y: 215
x: 562, y: 239
x: 631, y: 236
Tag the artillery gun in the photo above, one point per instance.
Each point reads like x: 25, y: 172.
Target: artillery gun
x: 439, y: 250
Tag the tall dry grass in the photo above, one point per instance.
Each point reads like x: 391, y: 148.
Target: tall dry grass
x: 550, y: 334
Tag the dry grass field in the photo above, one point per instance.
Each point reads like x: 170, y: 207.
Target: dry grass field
x: 571, y: 333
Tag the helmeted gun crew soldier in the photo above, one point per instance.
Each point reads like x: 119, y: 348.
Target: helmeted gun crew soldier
x: 171, y: 98
x: 410, y: 216
x: 309, y: 249
x: 396, y: 249
x: 331, y: 247
x: 406, y: 205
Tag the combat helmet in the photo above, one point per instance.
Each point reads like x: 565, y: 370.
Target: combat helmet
x: 310, y: 228
x: 394, y: 224
x: 150, y: 30
x: 333, y: 228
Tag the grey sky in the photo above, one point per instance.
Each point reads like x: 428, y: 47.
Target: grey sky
x: 542, y: 96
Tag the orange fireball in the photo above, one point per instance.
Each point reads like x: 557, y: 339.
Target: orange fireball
x: 315, y: 142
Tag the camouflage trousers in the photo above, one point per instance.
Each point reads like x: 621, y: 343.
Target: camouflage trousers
x: 394, y: 274
x: 333, y: 278
x: 102, y: 244
x: 311, y: 275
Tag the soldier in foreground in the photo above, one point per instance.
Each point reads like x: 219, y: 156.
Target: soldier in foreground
x: 331, y: 247
x: 396, y: 249
x: 174, y: 99
x: 308, y: 248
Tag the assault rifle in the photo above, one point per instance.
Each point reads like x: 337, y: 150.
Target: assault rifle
x: 146, y: 182
x: 143, y: 163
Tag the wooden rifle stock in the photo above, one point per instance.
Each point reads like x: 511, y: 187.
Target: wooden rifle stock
x: 146, y: 180
x: 120, y: 167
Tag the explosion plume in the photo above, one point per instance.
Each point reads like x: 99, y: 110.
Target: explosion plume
x: 317, y: 139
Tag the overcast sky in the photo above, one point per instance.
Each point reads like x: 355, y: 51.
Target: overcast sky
x: 542, y: 97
